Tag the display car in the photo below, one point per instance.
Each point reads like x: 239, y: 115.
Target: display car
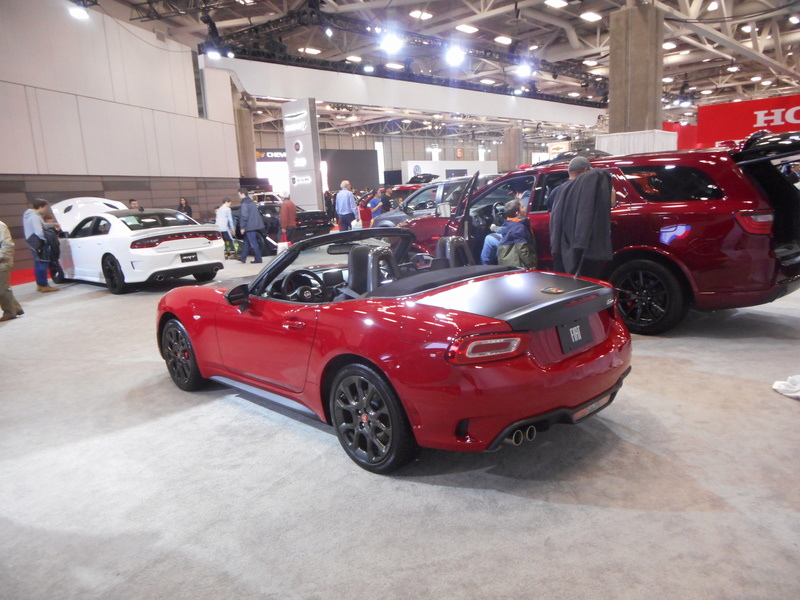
x: 425, y: 200
x: 309, y: 222
x: 709, y: 229
x: 103, y: 241
x: 399, y: 350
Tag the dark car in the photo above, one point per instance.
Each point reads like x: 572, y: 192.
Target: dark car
x: 708, y: 229
x: 425, y: 200
x: 309, y: 222
x: 434, y: 353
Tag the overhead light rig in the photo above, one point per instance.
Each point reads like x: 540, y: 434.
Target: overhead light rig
x: 261, y: 43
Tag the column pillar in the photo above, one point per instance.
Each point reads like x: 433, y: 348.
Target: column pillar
x: 510, y: 154
x: 245, y: 142
x: 636, y: 69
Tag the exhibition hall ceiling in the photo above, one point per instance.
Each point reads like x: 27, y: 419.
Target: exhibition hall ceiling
x: 714, y: 50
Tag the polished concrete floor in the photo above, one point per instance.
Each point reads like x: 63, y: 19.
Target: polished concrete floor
x: 115, y: 484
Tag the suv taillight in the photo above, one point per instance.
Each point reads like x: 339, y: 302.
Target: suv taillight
x: 755, y: 221
x: 475, y: 349
x: 152, y: 242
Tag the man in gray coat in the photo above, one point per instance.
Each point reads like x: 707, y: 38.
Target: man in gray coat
x: 580, y: 221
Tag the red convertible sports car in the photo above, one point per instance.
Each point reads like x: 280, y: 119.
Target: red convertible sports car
x: 398, y: 351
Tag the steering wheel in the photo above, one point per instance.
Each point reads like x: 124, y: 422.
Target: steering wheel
x: 303, y: 285
x: 499, y: 213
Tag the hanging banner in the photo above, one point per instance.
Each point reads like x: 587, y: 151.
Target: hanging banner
x: 302, y: 153
x: 737, y: 120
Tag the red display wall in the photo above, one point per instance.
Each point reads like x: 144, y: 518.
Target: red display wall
x: 687, y: 134
x: 737, y: 120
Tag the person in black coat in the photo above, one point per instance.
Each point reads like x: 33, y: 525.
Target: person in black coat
x: 580, y: 222
x: 250, y: 223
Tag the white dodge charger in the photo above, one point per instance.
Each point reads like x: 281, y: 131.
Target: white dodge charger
x: 112, y: 244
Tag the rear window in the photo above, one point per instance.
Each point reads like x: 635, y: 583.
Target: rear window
x: 144, y: 220
x: 672, y: 183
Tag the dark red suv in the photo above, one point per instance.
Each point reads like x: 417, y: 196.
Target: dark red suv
x: 708, y: 229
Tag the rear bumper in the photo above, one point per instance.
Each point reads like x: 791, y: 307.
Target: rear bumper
x: 174, y: 272
x: 720, y: 300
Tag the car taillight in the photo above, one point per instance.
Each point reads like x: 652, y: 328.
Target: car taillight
x: 755, y: 221
x: 474, y: 349
x: 152, y: 242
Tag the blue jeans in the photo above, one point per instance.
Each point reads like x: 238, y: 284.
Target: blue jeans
x: 346, y: 221
x: 251, y: 241
x: 39, y: 270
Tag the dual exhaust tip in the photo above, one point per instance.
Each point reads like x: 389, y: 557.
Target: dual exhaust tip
x: 523, y: 434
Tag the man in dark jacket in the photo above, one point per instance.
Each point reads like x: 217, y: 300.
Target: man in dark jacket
x: 250, y: 222
x: 386, y: 200
x: 580, y: 223
x: 517, y: 246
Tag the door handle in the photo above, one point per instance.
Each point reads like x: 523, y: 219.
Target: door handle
x: 293, y: 324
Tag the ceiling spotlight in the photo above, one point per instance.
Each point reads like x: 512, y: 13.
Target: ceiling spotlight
x: 518, y: 92
x: 214, y: 54
x: 590, y: 63
x: 590, y: 16
x: 524, y: 70
x: 503, y: 39
x: 574, y: 94
x: 230, y: 54
x: 669, y: 45
x: 395, y: 66
x: 667, y: 79
x: 391, y: 44
x: 533, y: 47
x: 707, y: 92
x: 733, y: 69
x: 355, y: 59
x: 329, y: 32
x: 369, y: 69
x: 488, y: 81
x: 766, y: 82
x: 79, y: 12
x: 454, y: 56
x: 684, y: 52
x: 713, y: 6
x: 406, y: 121
x: 755, y: 78
x: 794, y: 19
x: 555, y: 3
x: 747, y: 28
x: 420, y: 14
x: 311, y: 51
x: 464, y: 28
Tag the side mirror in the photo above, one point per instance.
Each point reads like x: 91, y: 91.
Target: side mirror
x: 443, y: 210
x: 238, y: 296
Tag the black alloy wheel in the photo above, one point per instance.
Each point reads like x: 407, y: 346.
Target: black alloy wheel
x: 650, y: 297
x: 369, y: 420
x: 56, y: 272
x: 176, y: 348
x: 115, y: 279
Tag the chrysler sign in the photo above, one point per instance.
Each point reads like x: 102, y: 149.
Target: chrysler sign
x: 737, y: 120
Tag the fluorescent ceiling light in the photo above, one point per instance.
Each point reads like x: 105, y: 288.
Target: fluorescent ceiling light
x: 420, y: 14
x: 574, y: 94
x: 355, y: 59
x: 467, y: 28
x: 591, y: 17
x: 394, y: 66
x: 707, y: 92
x: 503, y: 39
x: 766, y: 82
x: 79, y: 12
x: 369, y: 69
x: 590, y: 63
x: 406, y: 120
x: 488, y: 81
x: 555, y: 3
x: 684, y: 52
x: 755, y: 78
x: 391, y: 44
x: 309, y: 50
x: 214, y: 54
x: 669, y: 45
x: 533, y: 47
x: 667, y: 79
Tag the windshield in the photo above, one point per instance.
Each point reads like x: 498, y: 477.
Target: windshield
x: 146, y: 220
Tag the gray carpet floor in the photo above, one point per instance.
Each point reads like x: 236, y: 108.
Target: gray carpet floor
x: 115, y: 484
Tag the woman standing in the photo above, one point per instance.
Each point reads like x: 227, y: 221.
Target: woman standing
x: 184, y: 207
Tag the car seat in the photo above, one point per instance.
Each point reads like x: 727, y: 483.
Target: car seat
x: 455, y: 250
x: 357, y: 273
x: 382, y: 268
